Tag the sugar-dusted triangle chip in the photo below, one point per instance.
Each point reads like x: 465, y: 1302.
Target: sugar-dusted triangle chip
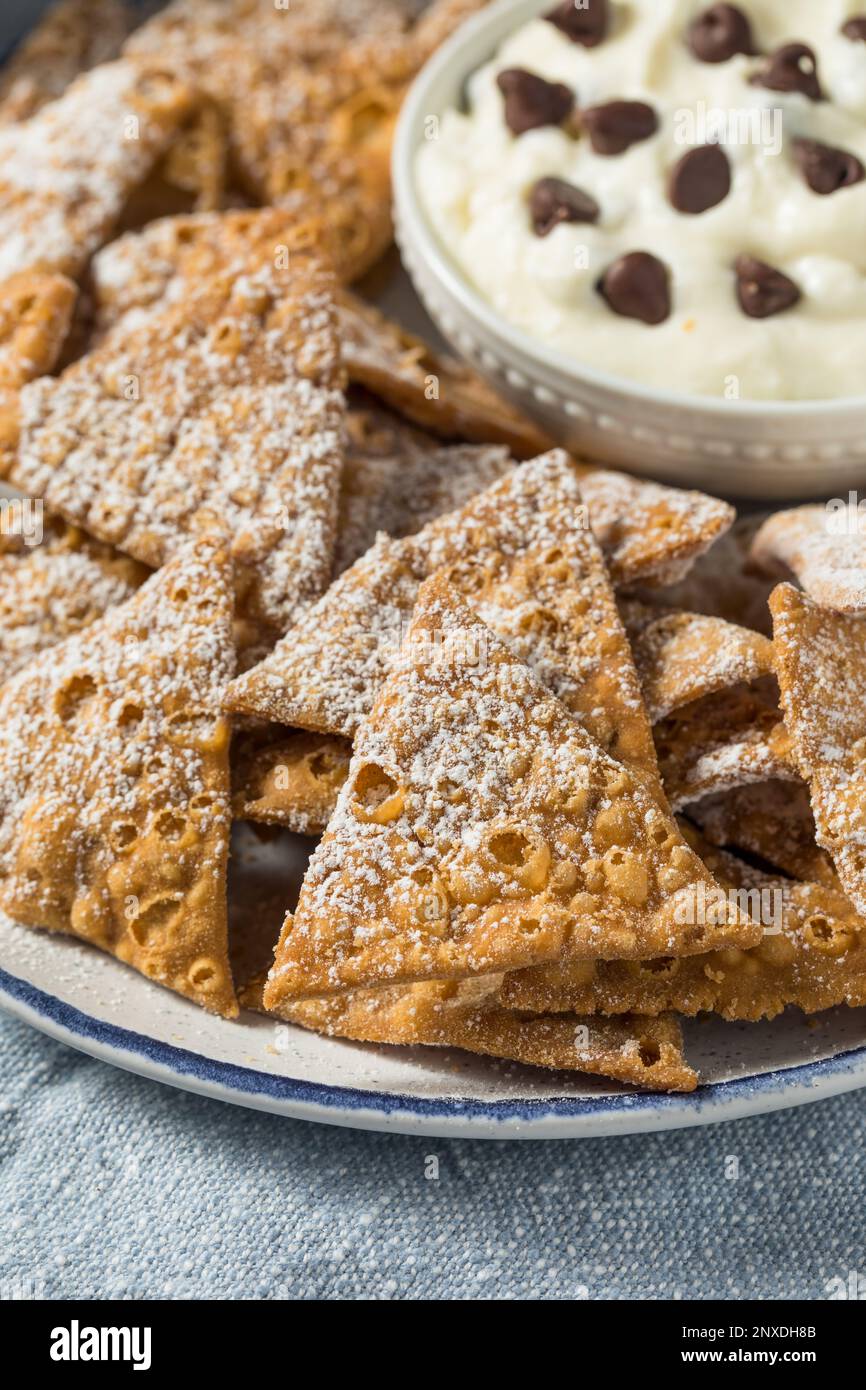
x: 722, y: 583
x: 524, y: 557
x: 813, y: 956
x: 825, y: 548
x: 312, y: 93
x: 465, y: 1014
x: 224, y: 406
x: 482, y: 829
x: 35, y: 314
x: 721, y: 741
x: 165, y: 259
x: 71, y: 38
x: 50, y: 590
x: 772, y: 820
x: 821, y: 662
x: 65, y: 174
x: 434, y: 390
x: 650, y: 533
x: 681, y: 657
x: 397, y: 478
x: 114, y: 806
x: 293, y: 781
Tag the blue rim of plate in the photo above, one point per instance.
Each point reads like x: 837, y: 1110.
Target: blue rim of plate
x: 245, y: 1081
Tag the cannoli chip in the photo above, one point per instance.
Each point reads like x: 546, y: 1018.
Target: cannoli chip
x: 433, y: 390
x: 828, y: 558
x: 35, y: 314
x: 772, y: 820
x: 114, y: 807
x: 722, y: 583
x: 396, y: 479
x: 523, y: 556
x: 725, y: 740
x: 681, y: 657
x: 168, y: 258
x: 821, y: 662
x: 813, y: 956
x: 293, y: 782
x: 71, y: 38
x: 51, y: 590
x: 650, y: 533
x: 482, y: 829
x: 465, y: 1014
x: 66, y: 173
x: 225, y: 405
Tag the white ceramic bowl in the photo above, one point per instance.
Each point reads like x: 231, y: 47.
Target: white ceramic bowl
x: 753, y: 449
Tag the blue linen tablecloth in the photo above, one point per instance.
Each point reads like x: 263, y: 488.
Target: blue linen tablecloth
x: 116, y: 1187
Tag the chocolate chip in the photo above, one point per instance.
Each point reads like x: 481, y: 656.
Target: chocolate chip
x: 700, y: 180
x: 792, y: 68
x: 585, y: 24
x: 719, y: 33
x: 762, y: 290
x: 855, y: 29
x: 618, y: 124
x: 531, y: 102
x: 637, y: 286
x: 552, y: 201
x: 825, y: 168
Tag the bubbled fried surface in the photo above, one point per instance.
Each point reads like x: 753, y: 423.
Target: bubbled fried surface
x: 225, y: 406
x: 480, y: 829
x: 114, y: 807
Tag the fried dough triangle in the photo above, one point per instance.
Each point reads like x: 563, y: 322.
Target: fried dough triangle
x: 227, y: 406
x: 824, y: 548
x: 481, y: 827
x: 523, y: 556
x: 645, y: 1052
x: 114, y: 807
x: 821, y: 663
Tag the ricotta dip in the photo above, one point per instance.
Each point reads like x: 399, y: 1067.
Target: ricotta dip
x: 671, y: 192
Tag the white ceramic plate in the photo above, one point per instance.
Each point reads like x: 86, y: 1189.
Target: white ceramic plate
x: 88, y: 1000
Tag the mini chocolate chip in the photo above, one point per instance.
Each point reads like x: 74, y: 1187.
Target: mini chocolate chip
x: 531, y: 102
x: 719, y: 33
x: 825, y: 168
x: 552, y: 201
x: 855, y: 29
x: 700, y: 180
x: 585, y: 24
x: 762, y: 290
x: 615, y: 125
x: 792, y: 68
x: 637, y: 286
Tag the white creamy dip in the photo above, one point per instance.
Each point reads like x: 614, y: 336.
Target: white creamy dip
x: 475, y: 177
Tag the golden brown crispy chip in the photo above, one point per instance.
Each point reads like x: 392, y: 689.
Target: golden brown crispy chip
x: 725, y: 740
x: 167, y: 259
x: 225, y: 405
x: 821, y: 661
x: 482, y: 829
x: 723, y: 582
x: 311, y: 94
x: 465, y: 1014
x: 772, y: 820
x: 52, y: 589
x: 66, y: 173
x: 825, y: 548
x: 813, y: 956
x: 435, y: 391
x: 114, y: 807
x: 71, y: 38
x: 396, y: 479
x: 35, y: 314
x: 680, y: 657
x: 293, y: 781
x: 649, y: 533
x: 523, y: 556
